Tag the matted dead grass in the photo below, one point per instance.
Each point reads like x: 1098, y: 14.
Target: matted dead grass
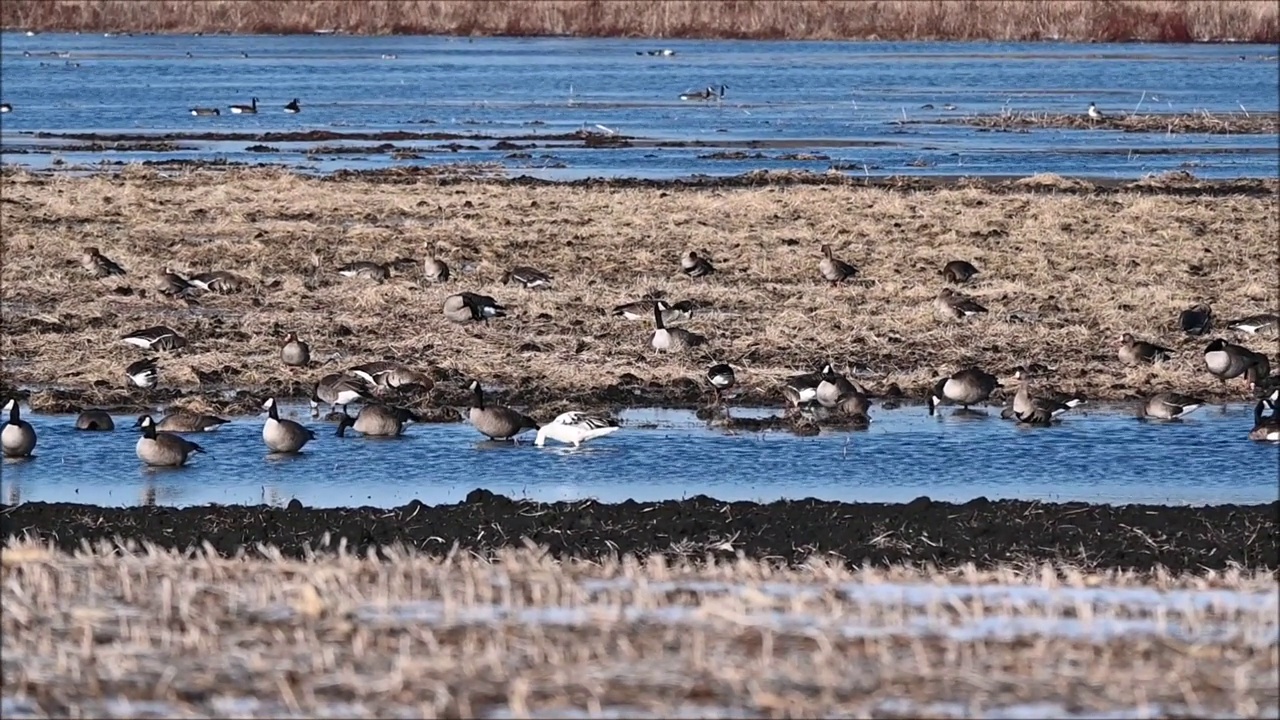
x: 1256, y: 123
x: 113, y: 631
x: 1063, y: 274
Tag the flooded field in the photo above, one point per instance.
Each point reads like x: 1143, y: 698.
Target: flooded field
x: 569, y: 108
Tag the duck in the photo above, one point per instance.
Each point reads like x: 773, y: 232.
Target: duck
x: 365, y: 270
x: 965, y: 387
x: 468, y: 307
x: 574, y: 428
x: 142, y: 373
x: 958, y: 272
x: 250, y: 109
x: 1254, y: 324
x: 95, y: 420
x: 293, y: 107
x: 530, y: 278
x: 387, y: 374
x: 1266, y: 429
x: 833, y: 270
x: 1169, y: 406
x: 1095, y: 113
x: 956, y: 306
x: 99, y: 265
x: 205, y: 111
x: 1196, y: 320
x: 435, y: 269
x: 1226, y: 361
x: 694, y: 265
x: 495, y: 421
x: 338, y: 391
x: 672, y: 339
x: 800, y: 389
x: 832, y: 386
x: 189, y: 422
x: 721, y: 377
x: 18, y: 438
x: 294, y: 352
x: 174, y: 285
x: 283, y: 436
x: 376, y: 421
x: 219, y: 281
x: 1134, y: 351
x: 162, y: 449
x: 1029, y: 410
x: 158, y: 337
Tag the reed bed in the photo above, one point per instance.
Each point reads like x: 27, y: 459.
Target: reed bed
x: 1013, y: 20
x: 1262, y: 123
x: 117, y: 629
x: 1063, y: 274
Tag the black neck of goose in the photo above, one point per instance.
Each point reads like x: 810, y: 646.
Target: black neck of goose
x: 149, y: 431
x: 1257, y: 412
x: 344, y: 422
x: 657, y: 316
x: 477, y: 398
x: 273, y: 412
x: 14, y: 417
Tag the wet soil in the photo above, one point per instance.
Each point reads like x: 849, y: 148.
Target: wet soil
x: 947, y: 535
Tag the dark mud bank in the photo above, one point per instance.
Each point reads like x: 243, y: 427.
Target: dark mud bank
x: 987, y: 533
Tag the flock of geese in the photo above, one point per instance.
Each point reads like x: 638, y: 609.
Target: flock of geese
x: 161, y: 442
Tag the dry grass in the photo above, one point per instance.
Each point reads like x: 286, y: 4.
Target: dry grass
x: 1171, y: 123
x: 1080, y: 20
x: 1062, y: 274
x: 112, y: 631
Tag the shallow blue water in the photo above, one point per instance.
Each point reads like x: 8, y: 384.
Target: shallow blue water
x: 797, y: 91
x: 1097, y: 456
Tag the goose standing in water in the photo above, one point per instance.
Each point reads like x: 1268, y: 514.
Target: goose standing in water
x: 1134, y: 352
x: 250, y: 109
x: 966, y: 387
x: 1266, y: 429
x: 18, y: 438
x: 574, y: 428
x: 530, y: 278
x: 158, y: 337
x: 293, y: 107
x: 294, y: 352
x: 495, y: 421
x: 833, y: 270
x: 1169, y: 406
x: 99, y: 265
x: 694, y: 265
x: 468, y: 307
x: 1029, y: 410
x: 338, y: 391
x: 162, y: 449
x: 95, y: 420
x: 142, y: 373
x: 958, y: 272
x: 672, y: 339
x: 283, y: 436
x: 376, y: 421
x: 956, y: 306
x: 205, y: 111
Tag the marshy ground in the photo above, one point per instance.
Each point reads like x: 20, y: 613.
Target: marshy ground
x: 1065, y: 268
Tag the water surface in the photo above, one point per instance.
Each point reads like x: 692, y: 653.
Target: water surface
x: 1103, y: 455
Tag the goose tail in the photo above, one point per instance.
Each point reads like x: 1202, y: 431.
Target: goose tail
x: 599, y: 432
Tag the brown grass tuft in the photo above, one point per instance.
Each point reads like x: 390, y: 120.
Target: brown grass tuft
x: 1015, y: 20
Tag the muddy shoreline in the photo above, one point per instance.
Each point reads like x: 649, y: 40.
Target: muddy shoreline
x: 986, y: 533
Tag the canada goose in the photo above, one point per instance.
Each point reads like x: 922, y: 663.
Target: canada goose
x: 1196, y: 320
x: 250, y: 109
x: 99, y: 265
x: 643, y: 310
x: 338, y: 391
x: 205, y: 111
x: 5, y: 107
x: 574, y: 428
x: 496, y: 421
x: 855, y: 406
x: 693, y: 265
x: 365, y: 270
x: 158, y: 337
x: 708, y: 94
x: 672, y: 339
x: 1133, y: 351
x: 1031, y: 410
x: 721, y: 377
x: 376, y: 421
x: 1266, y: 429
x: 142, y: 373
x: 294, y: 352
x: 1254, y: 324
x: 386, y: 374
x: 174, y: 285
x: 189, y: 422
x: 956, y: 306
x: 832, y: 386
x: 1169, y: 406
x: 162, y: 449
x: 958, y: 272
x: 800, y: 389
x: 1227, y: 360
x: 966, y: 387
x: 835, y: 271
x: 293, y: 108
x: 95, y: 420
x: 219, y: 281
x: 530, y: 278
x: 468, y: 306
x: 283, y: 436
x: 18, y: 437
x: 1095, y: 113
x: 435, y: 269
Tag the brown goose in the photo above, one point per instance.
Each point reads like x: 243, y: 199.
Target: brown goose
x: 694, y: 265
x: 95, y: 420
x: 389, y: 375
x: 1135, y: 352
x: 99, y: 265
x: 365, y: 270
x: 175, y: 285
x: 833, y: 270
x: 1169, y: 406
x: 958, y: 272
x: 435, y: 269
x: 1226, y: 360
x: 966, y: 387
x: 376, y: 421
x: 953, y: 305
x: 1031, y: 410
x: 189, y: 422
x: 294, y: 352
x: 672, y: 339
x: 496, y: 421
x: 219, y: 281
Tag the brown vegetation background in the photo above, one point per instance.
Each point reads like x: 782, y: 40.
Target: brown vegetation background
x: 1092, y: 20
